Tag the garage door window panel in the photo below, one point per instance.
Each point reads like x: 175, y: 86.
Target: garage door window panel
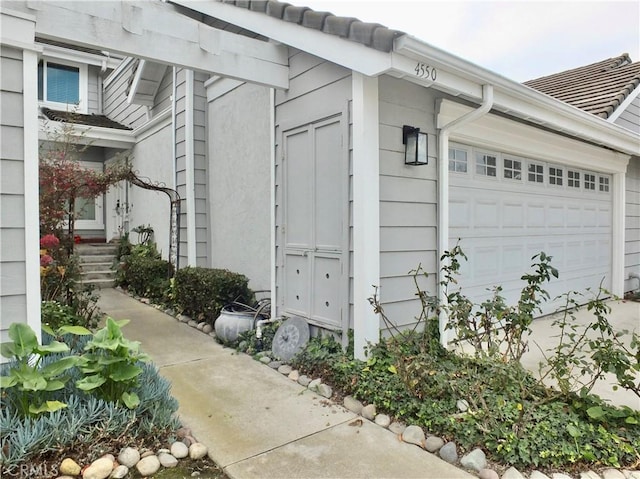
x: 573, y: 179
x: 536, y: 173
x: 458, y: 160
x: 604, y: 184
x: 556, y: 176
x: 486, y: 164
x: 512, y: 169
x: 589, y: 182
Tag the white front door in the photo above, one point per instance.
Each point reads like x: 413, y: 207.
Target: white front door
x: 505, y: 209
x: 315, y: 170
x: 90, y: 211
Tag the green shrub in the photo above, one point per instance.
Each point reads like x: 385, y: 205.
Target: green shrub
x: 148, y: 277
x: 203, y: 292
x: 56, y: 315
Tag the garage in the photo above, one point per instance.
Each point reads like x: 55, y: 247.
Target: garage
x: 505, y: 208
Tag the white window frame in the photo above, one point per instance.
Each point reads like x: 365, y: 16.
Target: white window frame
x: 511, y: 169
x: 604, y: 184
x: 574, y: 182
x: 590, y: 181
x: 478, y: 155
x: 468, y: 154
x: 536, y: 174
x: 83, y: 85
x: 555, y: 175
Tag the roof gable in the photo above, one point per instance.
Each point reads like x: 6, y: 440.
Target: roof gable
x: 599, y: 88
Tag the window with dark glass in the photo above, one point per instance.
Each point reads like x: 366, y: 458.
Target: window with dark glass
x: 58, y: 83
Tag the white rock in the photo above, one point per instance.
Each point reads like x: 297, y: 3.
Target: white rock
x: 207, y: 329
x: 631, y: 474
x: 397, y: 427
x: 197, y: 450
x: 99, y: 469
x: 488, y: 474
x: 285, y: 369
x: 129, y: 456
x: 462, y: 405
x: 294, y: 375
x: 352, y: 404
x: 475, y: 460
x: 512, y: 473
x: 148, y: 465
x: 382, y: 420
x: 325, y: 390
x: 179, y: 450
x: 119, y: 472
x: 167, y: 460
x: 369, y: 412
x: 313, y: 385
x: 414, y: 435
x: 433, y: 443
x: 612, y: 474
x: 540, y: 475
x: 559, y: 475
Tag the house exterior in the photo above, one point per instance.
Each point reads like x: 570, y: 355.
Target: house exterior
x: 281, y: 128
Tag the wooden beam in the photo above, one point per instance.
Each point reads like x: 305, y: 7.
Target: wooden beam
x: 156, y: 31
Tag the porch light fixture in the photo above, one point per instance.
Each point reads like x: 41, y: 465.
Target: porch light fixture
x: 415, y: 151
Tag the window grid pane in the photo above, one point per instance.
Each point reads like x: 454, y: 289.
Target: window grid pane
x: 604, y: 184
x: 486, y: 165
x: 573, y: 179
x: 555, y: 176
x: 457, y: 160
x: 512, y: 169
x: 589, y: 182
x: 536, y: 173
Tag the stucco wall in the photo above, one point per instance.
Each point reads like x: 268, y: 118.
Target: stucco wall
x: 239, y: 183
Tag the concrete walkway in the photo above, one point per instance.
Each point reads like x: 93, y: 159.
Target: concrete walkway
x: 256, y: 422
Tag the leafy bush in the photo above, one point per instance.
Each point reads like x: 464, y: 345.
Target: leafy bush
x: 203, y: 292
x: 144, y: 272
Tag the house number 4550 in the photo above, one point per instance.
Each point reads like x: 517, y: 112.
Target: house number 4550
x: 425, y: 71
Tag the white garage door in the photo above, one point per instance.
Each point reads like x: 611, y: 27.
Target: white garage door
x: 505, y: 209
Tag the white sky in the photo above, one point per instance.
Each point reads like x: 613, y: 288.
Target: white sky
x: 520, y: 39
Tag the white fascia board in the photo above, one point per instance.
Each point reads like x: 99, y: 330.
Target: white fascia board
x: 346, y: 53
x: 88, y: 135
x: 502, y: 134
x: 157, y: 123
x: 623, y: 106
x: 521, y: 101
x: 156, y: 31
x: 55, y: 51
x: 17, y: 28
x: 115, y: 74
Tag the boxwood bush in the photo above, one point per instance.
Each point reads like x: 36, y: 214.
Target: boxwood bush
x: 202, y: 292
x: 144, y: 272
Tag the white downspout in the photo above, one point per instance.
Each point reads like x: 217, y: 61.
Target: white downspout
x: 190, y: 169
x: 443, y: 192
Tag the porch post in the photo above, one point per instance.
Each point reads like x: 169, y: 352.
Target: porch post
x: 366, y: 210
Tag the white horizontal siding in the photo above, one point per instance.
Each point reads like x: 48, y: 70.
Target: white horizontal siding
x: 632, y: 224
x: 93, y: 101
x: 115, y: 103
x: 630, y: 117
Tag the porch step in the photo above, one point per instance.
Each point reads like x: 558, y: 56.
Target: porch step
x: 96, y: 263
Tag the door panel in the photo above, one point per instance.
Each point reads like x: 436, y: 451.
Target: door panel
x: 315, y: 174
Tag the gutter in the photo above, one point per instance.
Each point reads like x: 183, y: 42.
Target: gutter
x: 443, y: 194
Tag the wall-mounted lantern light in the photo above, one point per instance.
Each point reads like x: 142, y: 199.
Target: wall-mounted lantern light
x: 415, y: 151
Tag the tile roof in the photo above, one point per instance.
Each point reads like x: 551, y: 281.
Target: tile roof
x: 94, y: 120
x: 598, y: 88
x: 372, y: 35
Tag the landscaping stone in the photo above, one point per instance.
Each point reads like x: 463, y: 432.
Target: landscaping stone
x: 275, y: 364
x: 148, y: 465
x: 145, y: 301
x: 164, y: 450
x: 183, y: 432
x: 294, y: 375
x: 265, y: 360
x: 612, y: 474
x: 183, y: 318
x: 433, y: 443
x: 559, y: 475
x: 197, y: 451
x: 369, y: 412
x: 352, y: 404
x: 462, y: 405
x: 99, y: 469
x: 382, y: 420
x: 193, y: 323
x: 304, y: 380
x: 325, y: 390
x: 488, y: 474
x: 285, y: 369
x: 201, y: 326
x: 207, y: 329
x: 540, y: 475
x: 129, y: 456
x: 147, y: 454
x: 414, y: 435
x: 449, y: 452
x: 313, y: 385
x: 475, y: 460
x: 167, y: 460
x: 512, y: 473
x: 69, y: 467
x: 397, y: 427
x: 119, y: 472
x: 631, y: 474
x: 213, y: 334
x: 179, y: 449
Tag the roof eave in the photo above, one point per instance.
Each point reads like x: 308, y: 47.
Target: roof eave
x: 87, y: 135
x: 524, y: 102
